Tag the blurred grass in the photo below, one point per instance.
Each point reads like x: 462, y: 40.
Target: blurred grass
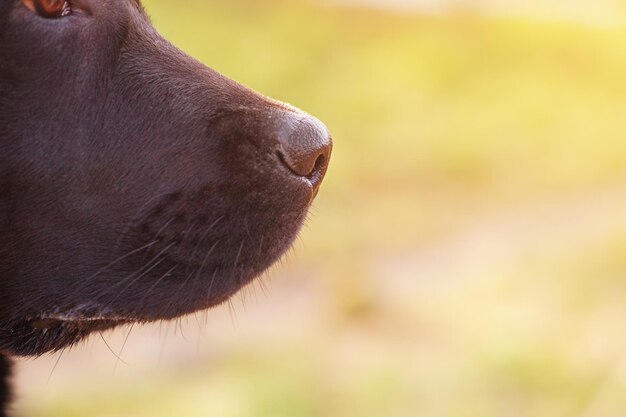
x: 468, y: 243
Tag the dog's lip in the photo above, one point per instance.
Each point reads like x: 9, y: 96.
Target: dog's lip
x: 48, y: 321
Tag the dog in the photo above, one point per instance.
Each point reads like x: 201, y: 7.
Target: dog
x: 136, y: 184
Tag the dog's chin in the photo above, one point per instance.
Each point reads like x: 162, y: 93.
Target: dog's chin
x: 147, y: 291
x: 50, y: 332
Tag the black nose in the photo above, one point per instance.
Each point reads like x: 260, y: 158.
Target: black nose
x: 304, y: 146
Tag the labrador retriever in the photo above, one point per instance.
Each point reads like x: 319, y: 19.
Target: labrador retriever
x: 136, y: 184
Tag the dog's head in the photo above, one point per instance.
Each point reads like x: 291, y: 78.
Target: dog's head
x: 136, y: 184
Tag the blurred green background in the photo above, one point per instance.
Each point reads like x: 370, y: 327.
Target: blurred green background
x: 466, y: 256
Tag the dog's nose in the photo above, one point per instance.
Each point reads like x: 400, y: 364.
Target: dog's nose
x: 304, y: 146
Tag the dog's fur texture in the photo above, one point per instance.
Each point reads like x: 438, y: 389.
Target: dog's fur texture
x: 136, y: 184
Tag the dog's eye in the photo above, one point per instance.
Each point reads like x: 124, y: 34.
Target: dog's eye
x: 49, y: 8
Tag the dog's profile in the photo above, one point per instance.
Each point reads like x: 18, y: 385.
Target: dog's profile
x: 136, y: 184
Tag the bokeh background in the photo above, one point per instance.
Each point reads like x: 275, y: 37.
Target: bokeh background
x: 466, y: 256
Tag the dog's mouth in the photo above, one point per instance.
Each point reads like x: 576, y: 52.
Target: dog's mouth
x: 50, y: 331
x: 45, y: 333
x: 88, y: 314
x: 47, y: 323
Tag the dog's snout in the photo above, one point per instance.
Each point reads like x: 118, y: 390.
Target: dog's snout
x: 304, y: 146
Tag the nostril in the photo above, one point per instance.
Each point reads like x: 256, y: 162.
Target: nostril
x: 320, y: 165
x: 304, y: 146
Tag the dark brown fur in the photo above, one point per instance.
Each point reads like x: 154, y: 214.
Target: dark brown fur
x: 136, y: 184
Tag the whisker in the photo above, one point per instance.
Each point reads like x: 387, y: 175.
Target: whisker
x: 156, y: 283
x: 204, y: 235
x: 233, y: 314
x: 167, y: 329
x: 247, y: 227
x: 56, y: 363
x: 167, y: 223
x: 130, y: 284
x: 131, y: 276
x: 238, y: 254
x: 173, y: 297
x: 201, y: 334
x: 110, y: 264
x: 182, y: 333
x: 211, y: 285
x: 136, y: 217
x: 206, y: 258
x: 157, y: 236
x: 119, y: 355
x: 111, y: 350
x: 200, y: 329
